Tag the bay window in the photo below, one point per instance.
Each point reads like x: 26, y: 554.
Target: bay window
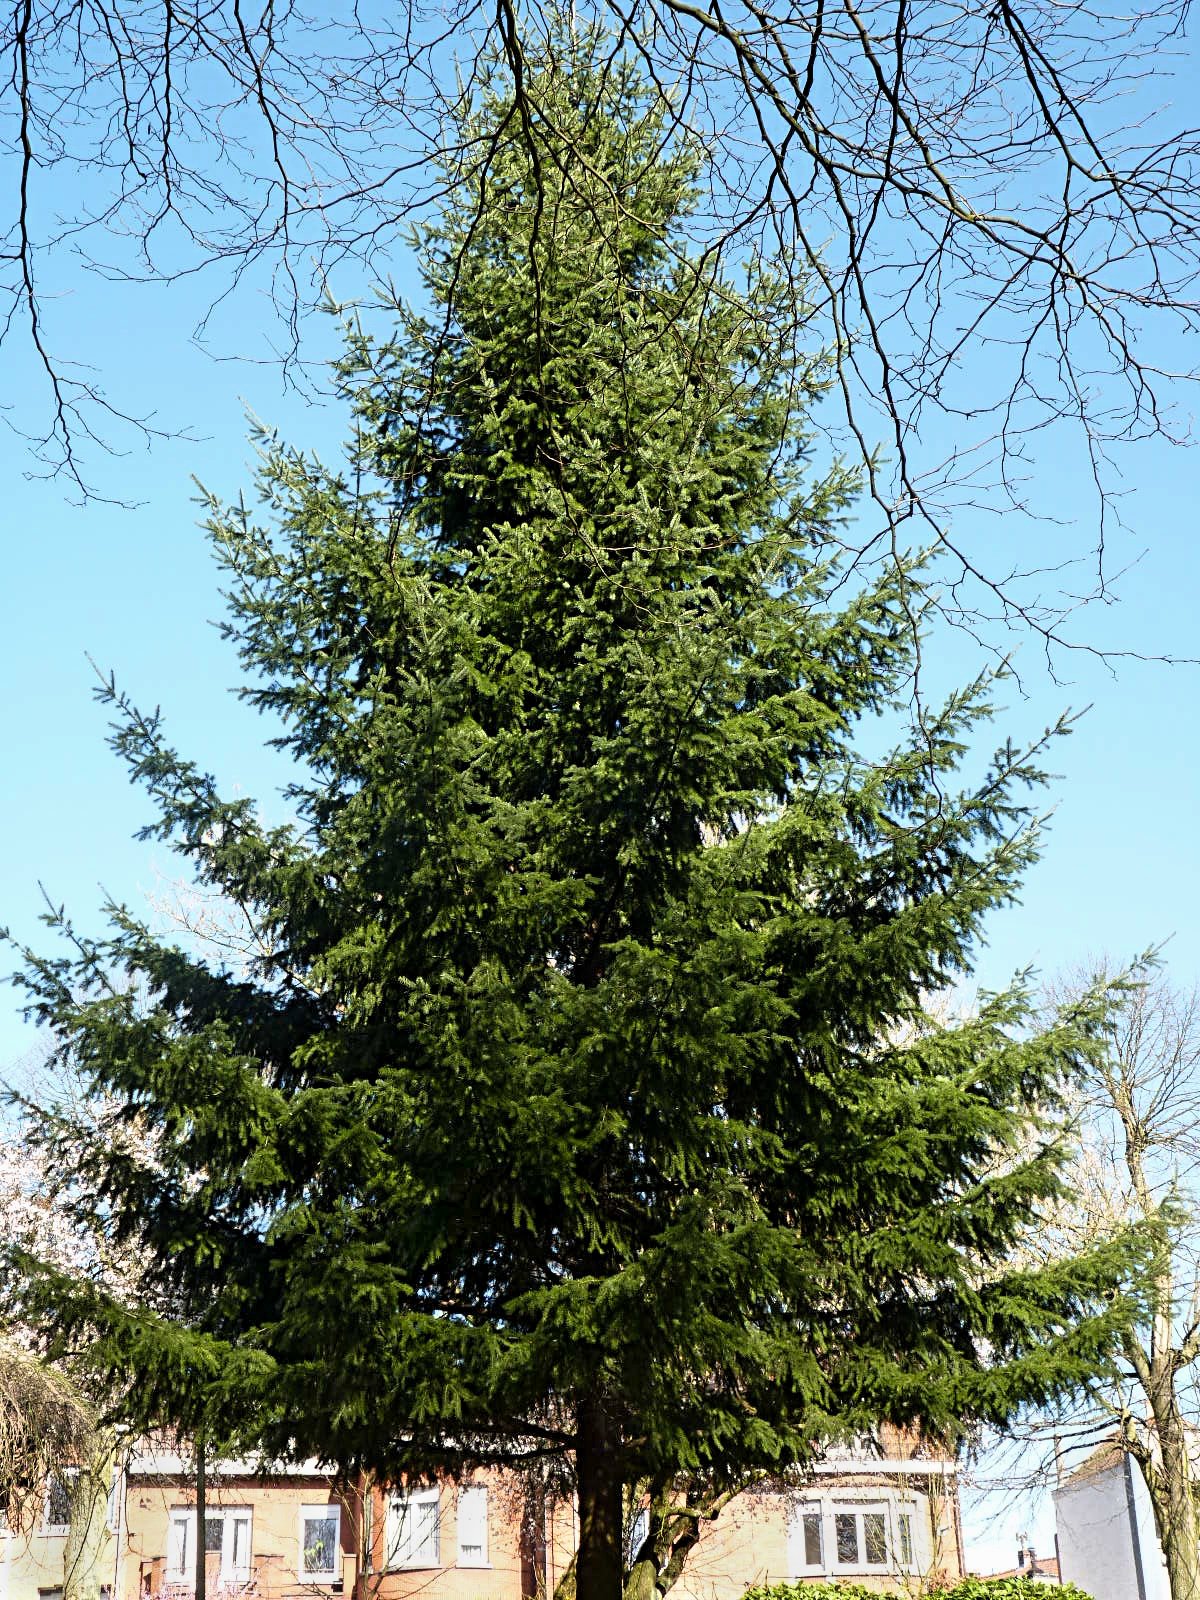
x: 839, y: 1533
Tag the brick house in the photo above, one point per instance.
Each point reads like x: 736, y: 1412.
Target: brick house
x: 292, y: 1533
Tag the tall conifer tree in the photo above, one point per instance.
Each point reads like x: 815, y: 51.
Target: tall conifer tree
x: 582, y: 1103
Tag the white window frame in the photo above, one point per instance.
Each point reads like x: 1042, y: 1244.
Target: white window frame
x: 406, y: 1500
x: 479, y: 1492
x: 181, y: 1566
x: 860, y: 1507
x: 906, y: 1509
x: 181, y: 1554
x: 833, y: 1503
x: 329, y: 1511
x: 112, y: 1509
x: 798, y: 1565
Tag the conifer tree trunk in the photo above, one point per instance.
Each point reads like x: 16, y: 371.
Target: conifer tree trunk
x: 599, y: 1565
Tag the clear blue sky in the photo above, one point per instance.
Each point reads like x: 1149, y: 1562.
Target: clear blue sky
x: 135, y: 589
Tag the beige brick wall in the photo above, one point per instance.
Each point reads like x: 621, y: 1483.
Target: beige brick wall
x: 33, y: 1562
x: 505, y: 1575
x: 275, y: 1507
x: 747, y: 1544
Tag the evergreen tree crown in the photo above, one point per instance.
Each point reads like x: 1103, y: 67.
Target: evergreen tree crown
x: 585, y: 1068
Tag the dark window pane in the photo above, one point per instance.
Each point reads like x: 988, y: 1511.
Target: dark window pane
x: 875, y: 1537
x: 846, y: 1530
x: 58, y: 1502
x: 905, y: 1539
x: 214, y: 1533
x: 812, y: 1540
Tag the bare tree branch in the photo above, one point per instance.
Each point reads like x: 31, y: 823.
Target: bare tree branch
x: 988, y: 211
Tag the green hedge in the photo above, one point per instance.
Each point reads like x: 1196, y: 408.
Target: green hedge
x: 1009, y: 1589
x: 967, y: 1589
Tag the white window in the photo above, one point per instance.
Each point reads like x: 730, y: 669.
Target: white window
x: 860, y: 1534
x: 112, y: 1514
x: 904, y: 1538
x: 806, y: 1539
x: 413, y: 1531
x: 639, y: 1528
x: 320, y: 1543
x: 181, y: 1546
x: 838, y: 1534
x: 56, y: 1512
x: 226, y: 1536
x: 473, y: 1525
x: 235, y: 1544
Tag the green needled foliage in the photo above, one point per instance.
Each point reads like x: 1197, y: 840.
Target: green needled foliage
x: 580, y: 1104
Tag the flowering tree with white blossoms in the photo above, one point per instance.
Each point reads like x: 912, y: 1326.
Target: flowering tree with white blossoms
x: 43, y: 1418
x: 48, y: 1425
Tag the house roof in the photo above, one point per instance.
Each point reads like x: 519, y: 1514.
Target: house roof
x: 171, y: 1464
x: 1110, y: 1453
x: 1103, y: 1458
x: 1039, y: 1567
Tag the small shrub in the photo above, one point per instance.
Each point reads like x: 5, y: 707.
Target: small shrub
x: 811, y: 1591
x: 966, y: 1589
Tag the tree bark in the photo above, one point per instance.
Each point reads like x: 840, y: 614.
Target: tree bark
x: 1177, y: 1521
x: 564, y: 1589
x: 642, y: 1582
x: 599, y: 1563
x: 1183, y: 1568
x: 87, y: 1536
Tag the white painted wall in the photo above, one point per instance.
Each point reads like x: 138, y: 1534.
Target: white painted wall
x: 1104, y: 1525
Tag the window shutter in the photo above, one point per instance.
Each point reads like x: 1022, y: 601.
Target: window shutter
x: 236, y: 1550
x: 472, y: 1524
x: 179, y: 1553
x: 425, y: 1547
